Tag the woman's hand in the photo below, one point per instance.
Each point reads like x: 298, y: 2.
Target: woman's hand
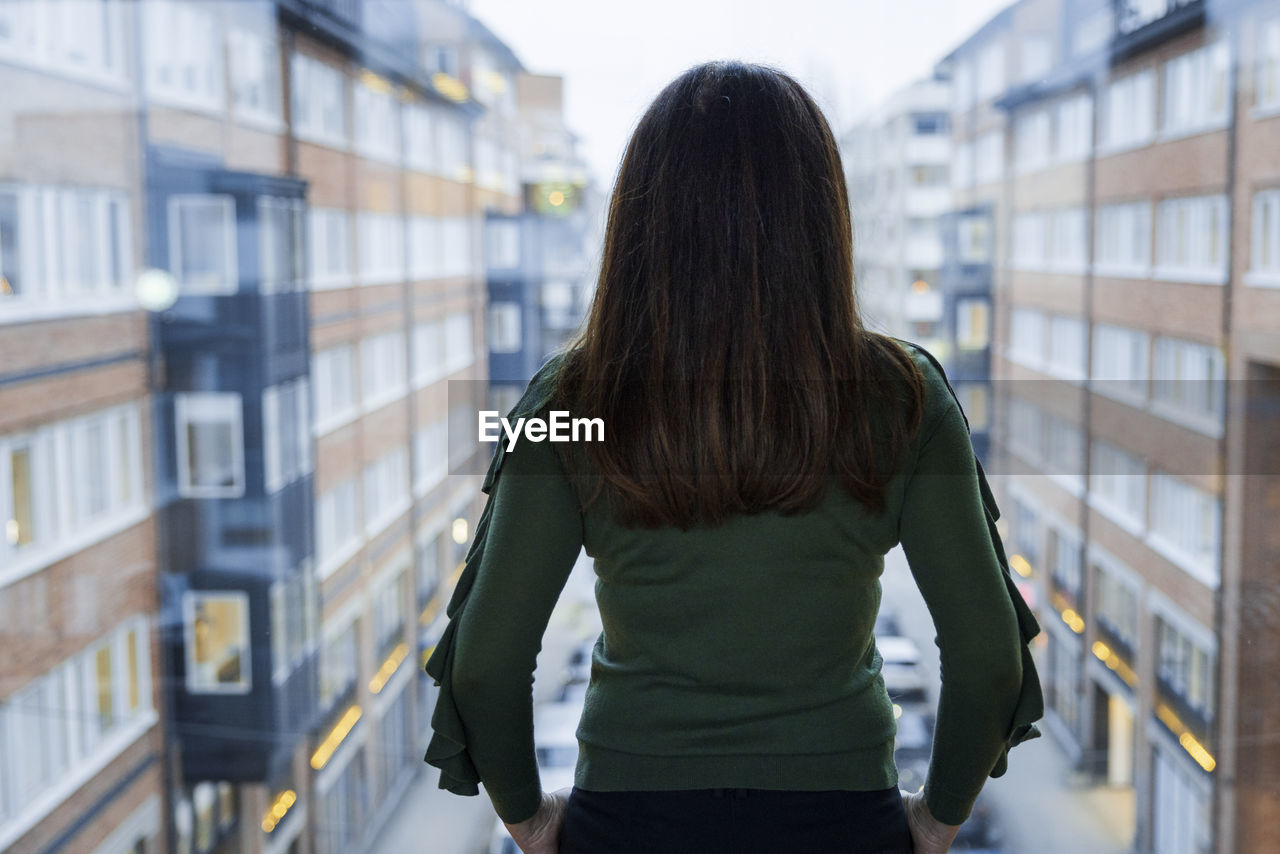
x: 928, y: 835
x: 540, y: 834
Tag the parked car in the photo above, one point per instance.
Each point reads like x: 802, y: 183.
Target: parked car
x: 887, y: 623
x: 901, y: 671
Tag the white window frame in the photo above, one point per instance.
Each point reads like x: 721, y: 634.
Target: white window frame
x: 312, y: 93
x: 244, y: 45
x: 378, y: 134
x: 506, y: 326
x: 188, y: 406
x: 184, y: 36
x: 1170, y: 536
x: 1129, y: 384
x: 1119, y: 227
x: 227, y: 284
x: 1176, y: 361
x: 1198, y: 214
x: 1264, y: 244
x: 1187, y: 83
x: 1113, y: 492
x: 329, y: 232
x: 1267, y: 90
x: 1128, y: 119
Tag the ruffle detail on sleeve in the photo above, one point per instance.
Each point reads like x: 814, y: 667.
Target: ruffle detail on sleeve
x: 1030, y: 707
x: 447, y: 749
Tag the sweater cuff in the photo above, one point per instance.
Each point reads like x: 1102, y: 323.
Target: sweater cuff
x: 516, y: 805
x: 947, y: 807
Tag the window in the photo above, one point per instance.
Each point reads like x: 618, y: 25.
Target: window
x: 1195, y: 90
x: 183, y: 55
x: 1075, y: 128
x: 1026, y: 430
x: 209, y: 444
x: 974, y: 401
x: 1128, y: 117
x: 319, y: 102
x: 1067, y: 337
x: 377, y: 121
x: 1191, y: 239
x: 67, y: 37
x: 388, y: 612
x: 429, y: 362
x: 430, y: 456
x: 1117, y: 605
x: 1264, y: 247
x: 216, y: 637
x: 66, y: 484
x: 1064, y: 461
x: 1064, y: 563
x: 330, y: 246
x: 458, y: 346
x: 64, y: 249
x: 1031, y: 141
x: 928, y: 124
x: 962, y: 165
x: 334, y: 378
x: 1026, y: 531
x: 1188, y: 380
x: 338, y: 664
x: 202, y: 244
x: 973, y: 323
x: 1068, y: 234
x: 280, y: 244
x: 1035, y: 58
x: 1030, y: 241
x: 419, y: 138
x: 99, y: 697
x: 455, y: 246
x: 1186, y: 526
x: 425, y: 251
x: 1185, y: 667
x: 1118, y: 484
x: 255, y: 77
x: 338, y: 526
x: 383, y: 368
x: 504, y: 244
x: 381, y: 237
x: 286, y: 433
x: 1027, y: 336
x: 1120, y: 362
x: 1269, y: 65
x: 973, y: 236
x: 1182, y: 821
x: 453, y: 141
x: 1123, y: 240
x: 386, y: 490
x: 505, y: 327
x: 990, y: 71
x: 989, y: 157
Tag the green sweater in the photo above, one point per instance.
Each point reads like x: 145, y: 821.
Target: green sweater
x: 740, y: 655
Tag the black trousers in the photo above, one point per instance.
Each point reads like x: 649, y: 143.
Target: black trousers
x: 735, y: 821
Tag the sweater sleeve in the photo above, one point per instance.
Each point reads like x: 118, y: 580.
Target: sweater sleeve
x: 944, y: 534
x: 525, y: 548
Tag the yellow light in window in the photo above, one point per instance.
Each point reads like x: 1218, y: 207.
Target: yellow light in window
x: 897, y: 711
x: 334, y: 739
x: 459, y: 530
x: 919, y: 286
x: 556, y: 198
x: 1020, y: 565
x: 12, y: 531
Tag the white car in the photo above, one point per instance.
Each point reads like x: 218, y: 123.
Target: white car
x: 900, y: 669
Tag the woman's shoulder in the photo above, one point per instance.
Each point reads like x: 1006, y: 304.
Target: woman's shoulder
x: 939, y: 396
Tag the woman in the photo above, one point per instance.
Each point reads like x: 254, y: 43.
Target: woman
x: 762, y: 452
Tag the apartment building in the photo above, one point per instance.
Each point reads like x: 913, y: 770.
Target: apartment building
x: 240, y: 281
x: 539, y: 263
x: 1130, y: 156
x: 922, y: 255
x: 80, y: 691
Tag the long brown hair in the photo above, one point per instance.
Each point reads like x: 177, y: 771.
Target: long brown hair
x: 723, y: 348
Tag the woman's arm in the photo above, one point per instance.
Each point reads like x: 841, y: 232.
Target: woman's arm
x: 943, y: 531
x: 533, y: 538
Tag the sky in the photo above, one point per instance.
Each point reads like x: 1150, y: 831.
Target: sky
x: 616, y: 55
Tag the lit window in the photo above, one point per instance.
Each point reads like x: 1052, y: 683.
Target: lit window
x: 972, y: 324
x: 216, y: 635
